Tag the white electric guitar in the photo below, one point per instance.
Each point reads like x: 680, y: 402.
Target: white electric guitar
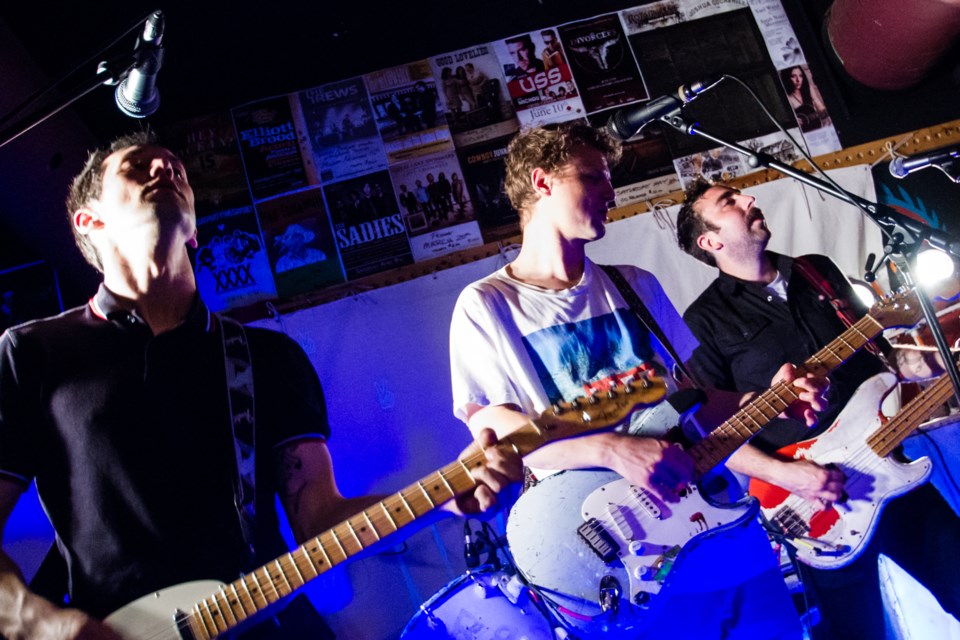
x: 602, y: 550
x: 203, y: 610
x: 859, y: 443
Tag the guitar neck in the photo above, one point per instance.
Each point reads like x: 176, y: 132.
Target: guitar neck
x: 276, y: 580
x: 748, y: 421
x: 895, y: 431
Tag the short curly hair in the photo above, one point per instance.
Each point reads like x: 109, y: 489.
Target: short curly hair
x: 88, y: 186
x: 691, y: 225
x: 549, y: 147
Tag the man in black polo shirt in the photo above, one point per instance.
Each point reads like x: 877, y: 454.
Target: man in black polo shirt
x: 762, y: 311
x: 125, y: 415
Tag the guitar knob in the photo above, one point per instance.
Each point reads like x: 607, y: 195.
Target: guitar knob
x: 636, y: 547
x: 643, y: 573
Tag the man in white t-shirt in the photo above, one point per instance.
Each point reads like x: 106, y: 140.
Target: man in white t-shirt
x: 551, y: 324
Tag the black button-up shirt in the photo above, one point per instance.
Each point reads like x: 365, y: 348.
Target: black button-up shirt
x: 746, y: 332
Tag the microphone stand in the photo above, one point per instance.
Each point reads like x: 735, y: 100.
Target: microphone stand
x: 905, y: 235
x: 106, y: 75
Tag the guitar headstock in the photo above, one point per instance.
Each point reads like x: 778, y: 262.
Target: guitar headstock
x: 599, y: 411
x: 898, y: 310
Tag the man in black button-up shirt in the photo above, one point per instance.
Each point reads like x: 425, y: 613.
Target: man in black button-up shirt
x: 762, y: 311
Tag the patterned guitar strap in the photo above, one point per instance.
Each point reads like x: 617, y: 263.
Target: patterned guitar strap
x: 239, y: 374
x: 841, y: 306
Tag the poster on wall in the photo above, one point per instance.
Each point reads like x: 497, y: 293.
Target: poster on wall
x: 721, y: 164
x: 299, y: 241
x: 232, y: 266
x: 538, y: 78
x: 436, y: 206
x: 474, y: 94
x: 796, y: 78
x: 408, y: 110
x: 483, y: 172
x: 208, y: 148
x: 367, y: 225
x: 338, y: 131
x: 602, y: 63
x: 271, y: 153
x: 702, y: 49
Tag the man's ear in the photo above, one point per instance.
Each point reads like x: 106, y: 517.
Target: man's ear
x: 85, y: 220
x: 709, y: 242
x: 542, y: 181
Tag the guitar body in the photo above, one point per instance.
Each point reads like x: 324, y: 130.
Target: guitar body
x: 152, y: 617
x: 547, y: 547
x: 839, y: 534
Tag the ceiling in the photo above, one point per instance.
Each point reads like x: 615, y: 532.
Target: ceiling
x: 223, y: 54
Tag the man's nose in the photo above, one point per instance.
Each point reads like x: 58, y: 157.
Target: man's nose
x: 161, y: 166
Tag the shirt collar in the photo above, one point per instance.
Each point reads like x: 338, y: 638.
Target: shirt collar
x: 106, y: 305
x: 733, y: 286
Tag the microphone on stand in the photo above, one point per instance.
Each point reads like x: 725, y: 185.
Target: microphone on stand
x: 137, y: 94
x: 902, y: 167
x: 628, y: 122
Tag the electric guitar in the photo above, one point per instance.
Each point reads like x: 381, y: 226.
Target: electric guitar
x: 203, y: 610
x: 602, y: 550
x: 859, y: 443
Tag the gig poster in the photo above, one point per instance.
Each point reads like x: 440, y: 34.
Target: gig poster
x: 436, y: 206
x: 368, y: 227
x: 408, y: 110
x: 299, y: 241
x: 271, y: 153
x: 722, y: 164
x: 208, y: 148
x: 338, y: 131
x: 538, y: 78
x: 645, y: 169
x: 483, y: 172
x: 602, y: 63
x: 232, y: 266
x: 474, y: 94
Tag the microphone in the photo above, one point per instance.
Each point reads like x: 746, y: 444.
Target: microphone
x: 626, y: 123
x: 902, y: 167
x: 137, y: 94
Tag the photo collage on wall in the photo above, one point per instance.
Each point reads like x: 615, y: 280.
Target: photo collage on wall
x: 361, y: 175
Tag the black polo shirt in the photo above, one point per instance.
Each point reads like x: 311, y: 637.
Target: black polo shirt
x: 746, y: 333
x: 128, y: 437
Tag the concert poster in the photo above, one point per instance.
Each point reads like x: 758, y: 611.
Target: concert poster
x: 271, y: 152
x: 208, y: 148
x: 483, y: 171
x: 408, y: 110
x: 726, y: 43
x: 602, y: 62
x: 538, y: 78
x: 299, y: 241
x: 722, y: 164
x: 232, y: 266
x: 368, y: 227
x: 645, y: 169
x: 436, y: 206
x: 474, y: 92
x: 338, y: 131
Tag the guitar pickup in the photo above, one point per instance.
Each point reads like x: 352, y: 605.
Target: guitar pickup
x: 599, y: 540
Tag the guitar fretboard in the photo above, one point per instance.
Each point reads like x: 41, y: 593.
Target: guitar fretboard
x: 747, y: 422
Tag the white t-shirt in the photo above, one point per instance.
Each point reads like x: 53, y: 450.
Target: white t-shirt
x: 514, y: 343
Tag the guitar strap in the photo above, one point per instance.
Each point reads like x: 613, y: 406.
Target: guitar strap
x: 841, y: 306
x: 641, y: 311
x: 240, y: 399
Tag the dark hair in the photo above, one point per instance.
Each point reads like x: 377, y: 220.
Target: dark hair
x: 525, y: 40
x: 787, y: 82
x: 88, y: 186
x: 549, y: 147
x: 691, y: 225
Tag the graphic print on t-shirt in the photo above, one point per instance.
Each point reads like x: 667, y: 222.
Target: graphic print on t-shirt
x: 568, y: 356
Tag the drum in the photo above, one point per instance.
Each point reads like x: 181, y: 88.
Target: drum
x: 482, y: 605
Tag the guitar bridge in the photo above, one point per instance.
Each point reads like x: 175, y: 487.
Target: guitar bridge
x: 599, y: 540
x: 790, y: 522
